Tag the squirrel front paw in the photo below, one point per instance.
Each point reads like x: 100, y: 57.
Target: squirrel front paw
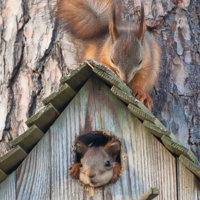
x: 143, y: 97
x: 75, y: 170
x: 116, y: 172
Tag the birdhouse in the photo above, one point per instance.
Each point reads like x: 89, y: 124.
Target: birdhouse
x: 154, y: 164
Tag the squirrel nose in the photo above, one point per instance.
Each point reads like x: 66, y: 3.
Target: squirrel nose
x: 91, y: 173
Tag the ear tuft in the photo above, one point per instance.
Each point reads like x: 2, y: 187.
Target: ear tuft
x: 112, y: 26
x: 81, y: 148
x: 142, y: 27
x: 113, y: 148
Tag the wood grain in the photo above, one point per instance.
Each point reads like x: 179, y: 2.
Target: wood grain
x: 8, y: 188
x: 61, y: 98
x: 96, y: 108
x: 188, y: 184
x: 28, y: 139
x: 34, y: 174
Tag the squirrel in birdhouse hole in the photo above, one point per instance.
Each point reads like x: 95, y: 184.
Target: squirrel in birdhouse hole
x: 97, y: 159
x: 127, y: 48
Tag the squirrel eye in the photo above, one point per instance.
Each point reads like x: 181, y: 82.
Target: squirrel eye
x: 140, y: 62
x: 81, y: 164
x: 112, y: 61
x: 107, y: 164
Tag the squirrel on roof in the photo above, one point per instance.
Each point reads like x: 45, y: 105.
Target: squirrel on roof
x: 97, y: 159
x: 128, y: 49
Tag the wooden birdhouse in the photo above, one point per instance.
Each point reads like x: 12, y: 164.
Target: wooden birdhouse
x: 154, y: 164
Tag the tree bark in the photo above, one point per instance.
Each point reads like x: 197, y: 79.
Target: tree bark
x: 35, y: 53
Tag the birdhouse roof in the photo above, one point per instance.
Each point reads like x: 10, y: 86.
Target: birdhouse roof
x: 55, y: 103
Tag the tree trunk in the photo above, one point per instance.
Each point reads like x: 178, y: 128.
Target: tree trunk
x: 35, y: 53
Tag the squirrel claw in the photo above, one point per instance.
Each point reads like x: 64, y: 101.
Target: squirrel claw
x: 75, y: 170
x: 143, y: 97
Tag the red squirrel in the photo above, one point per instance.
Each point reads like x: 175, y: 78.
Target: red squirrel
x: 128, y: 49
x: 97, y: 159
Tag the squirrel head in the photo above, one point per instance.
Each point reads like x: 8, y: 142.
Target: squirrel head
x: 97, y: 163
x: 127, y: 52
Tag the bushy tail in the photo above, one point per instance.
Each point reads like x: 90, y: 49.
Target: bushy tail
x: 84, y: 18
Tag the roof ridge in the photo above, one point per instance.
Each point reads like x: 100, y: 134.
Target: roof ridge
x: 40, y: 122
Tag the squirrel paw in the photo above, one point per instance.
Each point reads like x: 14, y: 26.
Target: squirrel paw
x: 116, y: 172
x: 75, y: 170
x: 143, y: 97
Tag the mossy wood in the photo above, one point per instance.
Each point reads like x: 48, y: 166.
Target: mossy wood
x: 178, y: 149
x: 127, y: 98
x: 2, y: 175
x: 159, y: 131
x: 44, y: 173
x: 28, y: 139
x: 12, y: 159
x: 78, y: 77
x: 150, y: 194
x: 108, y: 76
x: 44, y: 119
x: 61, y: 98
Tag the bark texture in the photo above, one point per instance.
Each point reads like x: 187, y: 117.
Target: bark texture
x: 35, y: 53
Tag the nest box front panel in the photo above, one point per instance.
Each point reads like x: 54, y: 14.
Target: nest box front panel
x: 147, y: 162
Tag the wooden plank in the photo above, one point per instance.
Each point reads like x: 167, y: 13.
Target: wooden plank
x: 2, y: 176
x: 78, y: 77
x: 159, y: 131
x: 34, y: 174
x: 190, y: 165
x: 44, y: 118
x: 188, y: 184
x: 8, y: 188
x: 108, y: 76
x: 147, y: 162
x: 150, y: 194
x: 12, y: 159
x: 145, y: 116
x: 28, y: 139
x: 61, y: 98
x: 178, y: 149
x: 127, y: 98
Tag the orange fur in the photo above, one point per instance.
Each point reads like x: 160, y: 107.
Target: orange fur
x: 116, y: 172
x: 106, y: 40
x: 75, y: 170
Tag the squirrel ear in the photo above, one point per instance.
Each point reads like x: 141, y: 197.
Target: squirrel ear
x: 112, y: 26
x: 81, y: 148
x: 142, y: 28
x: 113, y: 148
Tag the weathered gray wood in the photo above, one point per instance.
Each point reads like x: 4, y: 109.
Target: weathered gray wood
x: 128, y: 98
x: 2, y: 175
x: 144, y: 168
x: 44, y: 118
x: 34, y: 174
x: 190, y: 165
x: 108, y: 76
x: 61, y: 98
x: 150, y: 194
x: 178, y: 149
x: 8, y: 188
x: 188, y: 184
x: 28, y: 139
x: 159, y: 131
x: 44, y: 173
x: 76, y: 78
x: 12, y: 159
